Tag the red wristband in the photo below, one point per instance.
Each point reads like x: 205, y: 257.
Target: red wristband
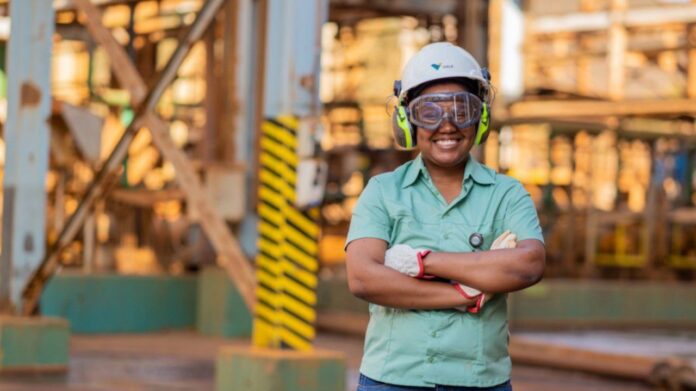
x: 476, y: 307
x: 421, y: 267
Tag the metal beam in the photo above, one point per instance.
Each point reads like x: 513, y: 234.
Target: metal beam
x: 593, y: 21
x: 287, y: 258
x: 63, y: 5
x: 345, y: 10
x: 549, y: 109
x: 111, y: 165
x: 27, y: 137
x: 240, y: 57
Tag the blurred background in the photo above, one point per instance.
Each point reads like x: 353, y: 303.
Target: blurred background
x: 138, y: 139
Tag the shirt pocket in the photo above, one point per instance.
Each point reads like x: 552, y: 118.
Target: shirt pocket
x: 408, y: 230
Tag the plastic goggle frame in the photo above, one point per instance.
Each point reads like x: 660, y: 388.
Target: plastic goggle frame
x: 464, y: 110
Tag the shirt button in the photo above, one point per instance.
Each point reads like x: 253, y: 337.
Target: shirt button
x: 431, y: 359
x: 446, y: 236
x: 433, y: 334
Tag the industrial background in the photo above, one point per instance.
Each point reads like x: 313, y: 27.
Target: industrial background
x: 179, y: 175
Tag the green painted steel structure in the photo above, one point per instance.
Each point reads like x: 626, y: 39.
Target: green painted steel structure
x: 33, y: 344
x: 243, y: 368
x: 109, y: 303
x: 220, y: 309
x: 567, y: 303
x: 577, y: 303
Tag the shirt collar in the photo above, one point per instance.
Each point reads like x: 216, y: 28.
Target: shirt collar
x: 473, y: 170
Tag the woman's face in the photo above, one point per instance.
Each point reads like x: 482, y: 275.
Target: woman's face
x: 447, y: 146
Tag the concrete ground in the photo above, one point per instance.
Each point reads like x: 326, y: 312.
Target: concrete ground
x: 186, y: 361
x: 648, y: 343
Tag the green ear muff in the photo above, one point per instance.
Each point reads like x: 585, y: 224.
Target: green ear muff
x: 403, y: 132
x: 484, y: 123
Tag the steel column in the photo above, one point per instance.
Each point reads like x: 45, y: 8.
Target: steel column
x: 27, y: 137
x: 287, y: 260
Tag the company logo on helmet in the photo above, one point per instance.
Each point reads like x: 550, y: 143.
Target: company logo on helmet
x: 438, y: 66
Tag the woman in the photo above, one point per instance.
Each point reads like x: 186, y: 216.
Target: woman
x: 443, y: 210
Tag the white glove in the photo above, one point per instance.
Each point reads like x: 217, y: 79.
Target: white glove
x: 506, y: 240
x: 407, y: 260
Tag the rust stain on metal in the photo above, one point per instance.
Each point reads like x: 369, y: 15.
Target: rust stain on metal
x: 30, y: 95
x: 28, y: 243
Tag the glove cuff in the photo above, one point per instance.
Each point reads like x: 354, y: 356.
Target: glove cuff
x: 462, y: 292
x: 476, y: 308
x: 421, y: 268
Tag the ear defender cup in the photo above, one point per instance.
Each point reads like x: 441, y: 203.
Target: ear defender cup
x: 484, y: 123
x: 404, y: 133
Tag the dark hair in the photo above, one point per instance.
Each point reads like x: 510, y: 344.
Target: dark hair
x: 470, y: 85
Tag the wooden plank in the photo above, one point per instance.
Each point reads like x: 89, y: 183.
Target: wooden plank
x: 588, y: 108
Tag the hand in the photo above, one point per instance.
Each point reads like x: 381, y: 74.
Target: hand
x: 407, y: 260
x: 504, y: 241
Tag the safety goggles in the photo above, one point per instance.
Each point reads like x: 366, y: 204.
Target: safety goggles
x: 462, y: 109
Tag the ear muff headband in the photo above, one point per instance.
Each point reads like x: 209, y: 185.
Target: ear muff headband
x: 484, y: 123
x: 403, y: 131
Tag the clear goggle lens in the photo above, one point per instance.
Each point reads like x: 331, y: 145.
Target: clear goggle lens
x: 462, y: 109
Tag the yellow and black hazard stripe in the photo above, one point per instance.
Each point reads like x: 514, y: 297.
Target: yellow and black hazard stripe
x: 288, y: 250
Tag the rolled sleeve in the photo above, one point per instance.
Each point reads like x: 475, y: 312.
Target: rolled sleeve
x: 370, y: 218
x: 521, y: 215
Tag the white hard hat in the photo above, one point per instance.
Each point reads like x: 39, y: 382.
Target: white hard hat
x: 441, y: 60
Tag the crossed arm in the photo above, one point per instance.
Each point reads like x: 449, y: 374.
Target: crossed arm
x: 489, y: 271
x: 370, y: 280
x: 498, y: 271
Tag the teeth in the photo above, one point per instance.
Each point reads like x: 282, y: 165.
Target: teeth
x: 446, y: 143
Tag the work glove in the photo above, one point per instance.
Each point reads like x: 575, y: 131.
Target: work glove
x: 407, y: 260
x: 506, y: 240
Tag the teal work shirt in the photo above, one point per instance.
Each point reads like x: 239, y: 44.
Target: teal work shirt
x: 443, y: 347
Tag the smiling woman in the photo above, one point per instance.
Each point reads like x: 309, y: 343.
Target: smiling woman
x: 409, y: 252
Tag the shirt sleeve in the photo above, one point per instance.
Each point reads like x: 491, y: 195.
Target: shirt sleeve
x: 370, y: 218
x: 521, y: 215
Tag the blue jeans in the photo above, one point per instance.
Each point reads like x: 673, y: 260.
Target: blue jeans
x: 367, y: 384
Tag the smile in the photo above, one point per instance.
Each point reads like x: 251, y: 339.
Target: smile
x: 446, y: 143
